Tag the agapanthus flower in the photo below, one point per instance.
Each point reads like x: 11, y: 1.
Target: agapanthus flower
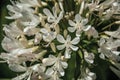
x: 89, y: 57
x: 88, y: 75
x: 68, y: 44
x: 56, y: 63
x: 60, y: 39
x: 53, y: 17
x: 79, y: 24
x: 109, y: 49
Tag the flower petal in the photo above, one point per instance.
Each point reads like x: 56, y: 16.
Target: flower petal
x: 48, y: 13
x: 64, y: 65
x: 71, y: 29
x: 49, y: 71
x: 67, y: 53
x: 78, y: 18
x: 86, y: 28
x: 78, y: 33
x: 48, y: 61
x: 60, y: 47
x: 71, y: 23
x: 76, y: 40
x: 68, y: 38
x: 74, y: 48
x: 84, y: 21
x: 60, y: 38
x: 17, y: 68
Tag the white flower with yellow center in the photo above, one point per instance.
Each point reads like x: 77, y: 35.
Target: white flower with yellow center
x: 68, y: 44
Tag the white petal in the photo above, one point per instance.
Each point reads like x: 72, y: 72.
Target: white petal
x: 61, y: 71
x: 60, y: 38
x: 64, y: 65
x: 67, y: 53
x: 17, y: 68
x: 71, y: 29
x: 76, y: 40
x: 102, y: 56
x: 48, y: 13
x: 54, y: 11
x: 10, y: 8
x: 84, y: 21
x: 68, y: 38
x: 78, y: 33
x: 48, y: 61
x: 71, y: 23
x: 86, y: 28
x: 78, y: 18
x: 15, y: 16
x: 49, y: 71
x: 116, y: 52
x: 43, y: 30
x: 60, y: 16
x: 60, y: 47
x: 38, y: 38
x: 10, y: 44
x: 74, y: 48
x: 22, y: 76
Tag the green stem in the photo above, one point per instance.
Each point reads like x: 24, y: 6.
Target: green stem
x: 108, y: 26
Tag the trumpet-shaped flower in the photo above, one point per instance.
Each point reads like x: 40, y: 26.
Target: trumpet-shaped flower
x: 68, y: 44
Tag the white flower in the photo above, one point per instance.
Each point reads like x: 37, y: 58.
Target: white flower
x: 31, y: 71
x: 48, y: 35
x: 9, y: 44
x: 109, y: 49
x: 17, y: 11
x: 23, y: 76
x: 68, y: 44
x: 92, y: 32
x: 53, y: 17
x: 18, y: 56
x: 29, y: 3
x: 89, y: 57
x: 79, y: 25
x: 93, y: 5
x: 12, y: 30
x: 56, y: 63
x: 87, y: 75
x: 24, y: 15
x: 115, y: 34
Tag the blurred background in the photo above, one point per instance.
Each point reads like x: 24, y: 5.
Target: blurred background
x: 6, y: 74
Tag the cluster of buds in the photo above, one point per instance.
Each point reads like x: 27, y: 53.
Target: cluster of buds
x: 45, y: 35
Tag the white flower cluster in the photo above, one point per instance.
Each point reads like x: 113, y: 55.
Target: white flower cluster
x: 45, y: 33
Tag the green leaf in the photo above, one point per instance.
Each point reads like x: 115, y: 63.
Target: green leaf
x: 101, y: 68
x: 69, y: 72
x: 117, y: 72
